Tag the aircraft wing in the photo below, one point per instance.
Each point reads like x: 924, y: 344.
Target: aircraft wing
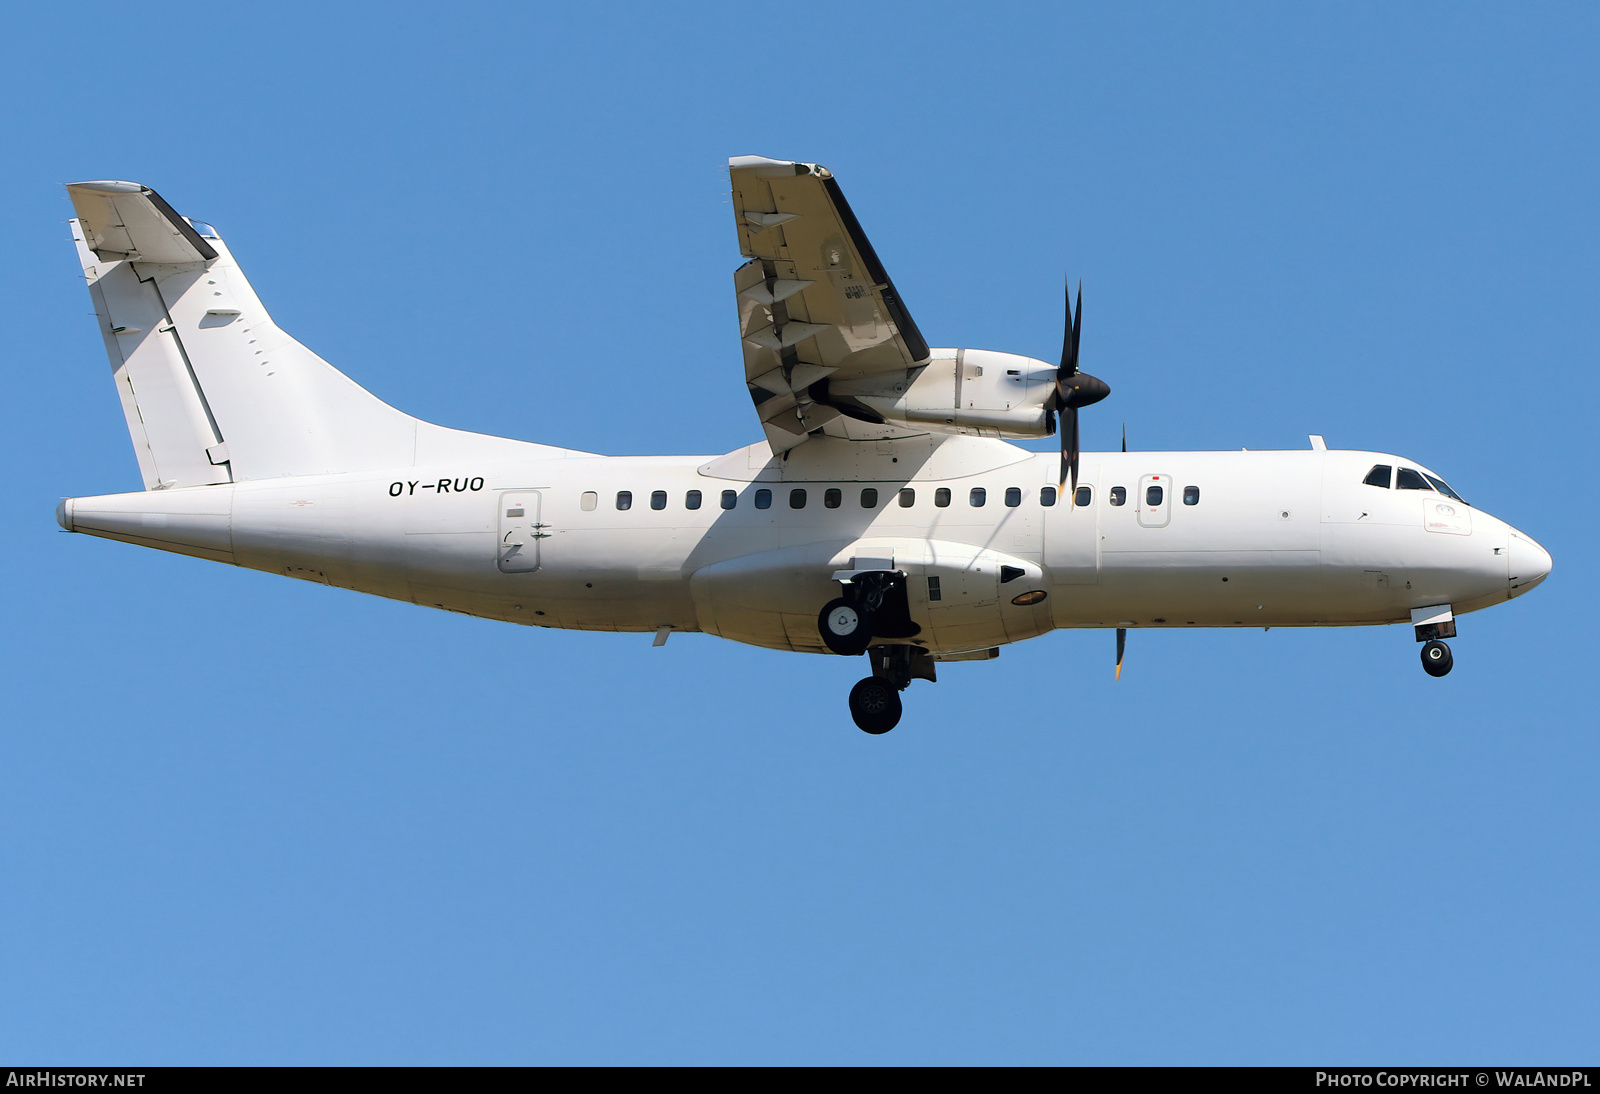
x: 815, y: 304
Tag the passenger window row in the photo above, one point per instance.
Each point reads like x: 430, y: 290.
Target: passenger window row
x: 833, y: 498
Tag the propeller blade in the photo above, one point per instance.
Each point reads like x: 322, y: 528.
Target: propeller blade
x: 1072, y: 457
x: 1069, y: 451
x: 1122, y: 644
x: 1069, y: 336
x: 1077, y: 327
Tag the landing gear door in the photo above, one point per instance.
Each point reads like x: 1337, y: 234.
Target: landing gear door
x: 520, y: 531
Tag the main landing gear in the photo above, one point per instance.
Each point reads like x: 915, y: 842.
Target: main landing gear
x: 875, y: 705
x: 874, y: 608
x: 875, y: 701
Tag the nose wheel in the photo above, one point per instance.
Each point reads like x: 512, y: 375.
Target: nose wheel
x: 1436, y: 658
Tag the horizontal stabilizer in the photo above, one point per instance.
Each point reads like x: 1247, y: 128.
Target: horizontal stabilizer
x: 124, y: 220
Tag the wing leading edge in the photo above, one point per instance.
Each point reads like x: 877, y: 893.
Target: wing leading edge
x: 815, y: 304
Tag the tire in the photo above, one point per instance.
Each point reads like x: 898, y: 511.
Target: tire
x: 875, y: 705
x: 845, y: 628
x: 1436, y: 658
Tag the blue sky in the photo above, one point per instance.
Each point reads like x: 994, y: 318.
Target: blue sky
x: 249, y: 820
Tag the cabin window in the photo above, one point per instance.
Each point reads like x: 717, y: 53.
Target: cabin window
x: 730, y: 498
x: 1119, y: 496
x: 1047, y: 496
x: 588, y: 501
x: 1153, y: 495
x: 1407, y: 479
x: 831, y: 498
x: 691, y: 500
x: 1083, y: 496
x: 869, y: 498
x: 1013, y: 496
x: 908, y: 498
x: 658, y: 499
x: 624, y: 499
x: 941, y: 497
x: 763, y: 499
x: 977, y: 497
x: 797, y: 499
x: 1191, y: 495
x: 1439, y: 485
x: 1379, y: 476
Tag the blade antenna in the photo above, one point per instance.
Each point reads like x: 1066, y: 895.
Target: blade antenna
x: 1122, y: 645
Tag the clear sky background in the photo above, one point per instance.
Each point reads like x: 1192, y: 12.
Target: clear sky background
x: 245, y: 819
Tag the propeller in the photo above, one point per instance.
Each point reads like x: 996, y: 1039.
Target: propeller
x: 1074, y: 389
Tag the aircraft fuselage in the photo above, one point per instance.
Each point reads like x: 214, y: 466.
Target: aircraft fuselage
x: 749, y: 547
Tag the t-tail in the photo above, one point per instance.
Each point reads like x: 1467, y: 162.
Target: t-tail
x: 213, y: 391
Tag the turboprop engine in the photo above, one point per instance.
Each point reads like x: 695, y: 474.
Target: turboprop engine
x: 975, y: 392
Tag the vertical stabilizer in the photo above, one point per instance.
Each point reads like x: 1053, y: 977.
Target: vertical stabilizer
x: 213, y: 391
x: 174, y: 433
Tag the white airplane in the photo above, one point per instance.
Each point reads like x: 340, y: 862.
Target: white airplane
x: 883, y: 514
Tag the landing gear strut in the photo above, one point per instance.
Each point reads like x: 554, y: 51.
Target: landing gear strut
x: 1436, y: 658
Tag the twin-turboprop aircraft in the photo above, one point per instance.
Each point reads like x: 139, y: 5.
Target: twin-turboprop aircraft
x: 883, y: 514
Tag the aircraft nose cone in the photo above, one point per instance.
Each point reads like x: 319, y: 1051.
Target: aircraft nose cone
x: 1530, y: 564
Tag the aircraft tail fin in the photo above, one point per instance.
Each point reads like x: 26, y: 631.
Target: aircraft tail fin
x: 212, y: 389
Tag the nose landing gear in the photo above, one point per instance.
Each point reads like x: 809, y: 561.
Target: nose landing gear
x: 1431, y: 625
x: 1436, y: 658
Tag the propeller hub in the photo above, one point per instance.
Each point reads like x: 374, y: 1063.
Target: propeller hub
x: 1080, y: 390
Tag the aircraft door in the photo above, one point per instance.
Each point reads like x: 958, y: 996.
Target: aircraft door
x: 520, y: 531
x: 1154, y: 501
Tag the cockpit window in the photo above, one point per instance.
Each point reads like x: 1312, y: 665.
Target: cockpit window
x: 1407, y: 479
x: 1444, y: 488
x: 1379, y: 476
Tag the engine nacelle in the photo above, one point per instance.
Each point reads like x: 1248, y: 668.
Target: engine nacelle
x: 975, y: 392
